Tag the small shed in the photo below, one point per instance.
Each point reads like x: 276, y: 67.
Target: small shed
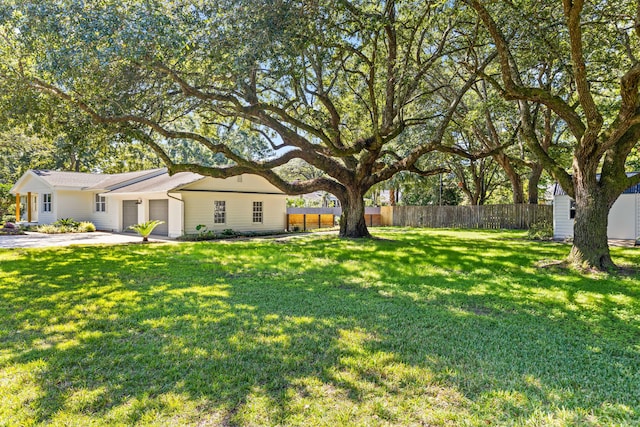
x: 624, y: 216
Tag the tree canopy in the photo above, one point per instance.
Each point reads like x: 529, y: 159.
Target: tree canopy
x: 354, y: 89
x: 553, y: 54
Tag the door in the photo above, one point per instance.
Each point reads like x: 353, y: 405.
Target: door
x: 159, y: 209
x: 622, y: 218
x: 129, y: 214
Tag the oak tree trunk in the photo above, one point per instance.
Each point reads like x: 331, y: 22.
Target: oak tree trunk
x: 514, y: 178
x: 352, y: 221
x: 534, y: 180
x: 590, y: 242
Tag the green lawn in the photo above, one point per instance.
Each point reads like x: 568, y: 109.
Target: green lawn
x: 418, y: 327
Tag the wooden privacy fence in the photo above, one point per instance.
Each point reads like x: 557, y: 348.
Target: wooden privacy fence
x: 314, y: 218
x: 488, y: 216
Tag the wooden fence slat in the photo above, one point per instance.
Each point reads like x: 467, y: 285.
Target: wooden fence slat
x: 518, y: 217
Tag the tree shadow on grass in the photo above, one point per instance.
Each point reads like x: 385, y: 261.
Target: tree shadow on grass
x: 364, y: 332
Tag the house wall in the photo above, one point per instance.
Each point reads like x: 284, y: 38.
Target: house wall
x: 108, y: 220
x: 113, y: 222
x: 73, y: 204
x: 624, y: 218
x: 562, y: 224
x: 246, y: 183
x: 37, y: 187
x: 176, y: 216
x: 637, y: 216
x: 198, y: 208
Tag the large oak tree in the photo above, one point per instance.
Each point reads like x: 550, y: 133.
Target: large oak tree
x: 594, y: 90
x: 337, y: 84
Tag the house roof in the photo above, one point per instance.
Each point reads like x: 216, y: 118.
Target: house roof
x: 159, y: 183
x: 86, y: 181
x: 69, y: 179
x: 148, y: 181
x: 634, y: 189
x: 115, y: 181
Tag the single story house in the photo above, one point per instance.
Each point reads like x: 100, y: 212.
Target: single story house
x: 624, y: 216
x: 183, y: 201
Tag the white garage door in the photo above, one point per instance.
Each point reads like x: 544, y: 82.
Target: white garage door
x: 622, y: 218
x: 159, y: 209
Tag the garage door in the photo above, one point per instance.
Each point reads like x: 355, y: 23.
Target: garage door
x: 129, y: 214
x: 159, y: 209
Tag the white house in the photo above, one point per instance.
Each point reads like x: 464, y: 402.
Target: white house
x: 624, y: 216
x: 113, y: 202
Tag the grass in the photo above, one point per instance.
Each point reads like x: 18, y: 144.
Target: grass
x: 418, y: 327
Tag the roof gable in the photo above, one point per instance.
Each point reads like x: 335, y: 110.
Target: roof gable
x: 26, y: 179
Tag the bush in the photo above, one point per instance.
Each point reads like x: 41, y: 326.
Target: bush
x: 9, y: 218
x: 66, y: 222
x: 86, y: 227
x: 541, y: 230
x: 48, y: 229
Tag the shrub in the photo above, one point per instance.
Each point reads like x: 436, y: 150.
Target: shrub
x: 48, y: 229
x: 9, y: 218
x: 228, y: 232
x: 144, y: 229
x: 86, y: 226
x: 10, y: 225
x: 66, y: 222
x: 540, y: 230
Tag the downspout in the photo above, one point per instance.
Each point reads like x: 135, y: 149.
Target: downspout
x: 182, y: 212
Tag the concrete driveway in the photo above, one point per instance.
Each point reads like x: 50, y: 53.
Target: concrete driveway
x: 41, y: 240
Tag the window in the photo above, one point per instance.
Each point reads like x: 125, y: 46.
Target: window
x: 219, y: 212
x: 101, y: 203
x: 46, y: 202
x: 572, y: 209
x: 257, y: 212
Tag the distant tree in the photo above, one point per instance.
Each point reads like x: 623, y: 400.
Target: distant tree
x: 7, y: 201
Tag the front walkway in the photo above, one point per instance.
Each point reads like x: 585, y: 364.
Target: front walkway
x: 41, y: 240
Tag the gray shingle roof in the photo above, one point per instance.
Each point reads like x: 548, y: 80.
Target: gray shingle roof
x: 114, y: 181
x: 92, y: 181
x: 70, y: 179
x: 159, y: 183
